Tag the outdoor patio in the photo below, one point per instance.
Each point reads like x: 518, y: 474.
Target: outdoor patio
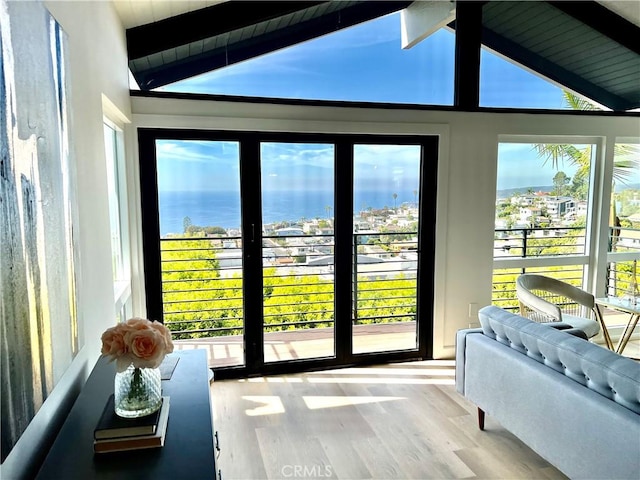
x: 317, y: 343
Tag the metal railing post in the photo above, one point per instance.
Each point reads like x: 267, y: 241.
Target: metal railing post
x: 524, y: 246
x: 355, y: 279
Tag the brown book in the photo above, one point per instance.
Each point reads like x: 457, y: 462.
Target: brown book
x: 140, y: 441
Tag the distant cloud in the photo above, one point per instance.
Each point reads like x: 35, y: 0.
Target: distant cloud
x: 197, y: 151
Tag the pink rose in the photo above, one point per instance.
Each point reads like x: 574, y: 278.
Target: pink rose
x: 166, y: 334
x: 147, y: 346
x: 137, y: 323
x: 113, y: 343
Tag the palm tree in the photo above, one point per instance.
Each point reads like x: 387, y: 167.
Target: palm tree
x: 626, y: 157
x: 415, y: 197
x: 395, y: 195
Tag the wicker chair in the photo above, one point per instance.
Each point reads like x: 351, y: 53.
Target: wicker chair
x: 544, y: 299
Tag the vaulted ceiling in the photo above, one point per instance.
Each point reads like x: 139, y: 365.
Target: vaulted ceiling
x: 589, y: 47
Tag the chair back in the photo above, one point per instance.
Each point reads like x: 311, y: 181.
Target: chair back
x: 544, y: 299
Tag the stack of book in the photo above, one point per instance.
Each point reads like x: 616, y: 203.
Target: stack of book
x: 116, y: 434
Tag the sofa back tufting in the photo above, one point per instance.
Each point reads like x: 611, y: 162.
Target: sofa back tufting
x: 601, y: 370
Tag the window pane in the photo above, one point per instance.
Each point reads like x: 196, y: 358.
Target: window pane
x: 298, y: 250
x: 361, y: 63
x: 623, y: 269
x: 386, y: 194
x: 111, y: 152
x: 542, y: 204
x: 506, y: 84
x: 201, y: 246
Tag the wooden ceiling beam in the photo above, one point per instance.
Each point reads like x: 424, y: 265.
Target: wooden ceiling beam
x: 205, y: 23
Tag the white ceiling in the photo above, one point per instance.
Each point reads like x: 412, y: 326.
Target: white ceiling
x: 133, y: 13
x: 629, y: 9
x: 140, y: 12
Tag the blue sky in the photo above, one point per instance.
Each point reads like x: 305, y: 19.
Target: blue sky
x: 366, y: 63
x: 203, y: 165
x: 361, y: 63
x: 520, y: 166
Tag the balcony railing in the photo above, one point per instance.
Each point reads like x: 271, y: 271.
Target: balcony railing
x: 539, y: 242
x: 203, y: 287
x: 623, y: 247
x: 202, y: 282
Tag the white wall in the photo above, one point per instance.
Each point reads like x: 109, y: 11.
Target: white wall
x: 467, y: 174
x: 98, y: 64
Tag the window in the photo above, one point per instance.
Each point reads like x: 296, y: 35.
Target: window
x: 117, y: 192
x: 285, y: 248
x: 362, y: 63
x: 504, y: 84
x: 543, y: 213
x: 623, y: 246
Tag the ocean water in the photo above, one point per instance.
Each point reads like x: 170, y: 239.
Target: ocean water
x: 223, y: 209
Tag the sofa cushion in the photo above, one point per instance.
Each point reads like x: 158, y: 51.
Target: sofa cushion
x: 590, y: 327
x: 611, y: 375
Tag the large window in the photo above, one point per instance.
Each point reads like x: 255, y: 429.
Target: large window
x: 272, y: 250
x: 543, y: 213
x: 366, y: 63
x: 362, y: 63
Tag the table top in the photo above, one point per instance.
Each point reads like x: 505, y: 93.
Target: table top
x: 623, y: 304
x: 188, y: 450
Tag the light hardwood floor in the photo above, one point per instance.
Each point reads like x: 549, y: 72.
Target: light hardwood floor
x: 398, y: 421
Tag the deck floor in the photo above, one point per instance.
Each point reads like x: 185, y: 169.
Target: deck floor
x: 319, y: 342
x: 306, y: 343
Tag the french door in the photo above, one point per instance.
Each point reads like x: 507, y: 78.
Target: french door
x: 286, y: 252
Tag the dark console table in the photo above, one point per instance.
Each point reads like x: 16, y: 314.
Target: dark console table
x: 188, y: 451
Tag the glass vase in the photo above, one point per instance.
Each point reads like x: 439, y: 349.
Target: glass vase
x: 137, y: 391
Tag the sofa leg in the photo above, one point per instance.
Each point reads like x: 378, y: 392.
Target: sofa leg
x: 480, y: 418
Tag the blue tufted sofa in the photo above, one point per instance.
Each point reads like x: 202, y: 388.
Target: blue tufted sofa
x: 573, y: 402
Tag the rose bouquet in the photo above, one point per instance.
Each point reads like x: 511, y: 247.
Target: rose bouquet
x: 137, y: 341
x: 138, y: 347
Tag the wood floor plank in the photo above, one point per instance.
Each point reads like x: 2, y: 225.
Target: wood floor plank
x: 377, y: 458
x: 236, y: 429
x: 344, y: 458
x: 279, y: 453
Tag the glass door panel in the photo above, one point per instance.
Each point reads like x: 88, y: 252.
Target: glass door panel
x: 297, y: 250
x: 385, y: 260
x: 200, y: 246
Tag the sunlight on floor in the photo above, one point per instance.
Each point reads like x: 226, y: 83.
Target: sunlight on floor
x: 270, y: 405
x: 389, y: 371
x: 315, y: 403
x: 385, y: 380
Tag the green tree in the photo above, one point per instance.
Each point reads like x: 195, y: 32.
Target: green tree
x: 579, y: 188
x: 395, y: 196
x: 186, y: 223
x: 560, y: 179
